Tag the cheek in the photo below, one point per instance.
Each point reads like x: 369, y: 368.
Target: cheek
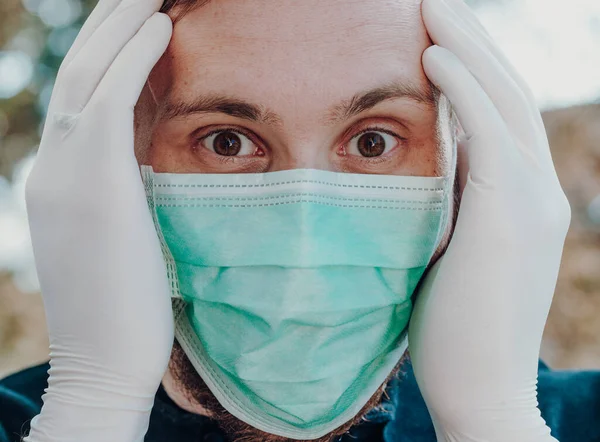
x: 161, y: 159
x: 424, y: 157
x: 166, y: 157
x: 161, y: 152
x: 144, y: 113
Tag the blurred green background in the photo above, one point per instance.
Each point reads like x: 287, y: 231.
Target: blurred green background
x: 554, y: 43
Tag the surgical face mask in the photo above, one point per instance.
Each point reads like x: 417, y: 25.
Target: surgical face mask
x: 293, y: 289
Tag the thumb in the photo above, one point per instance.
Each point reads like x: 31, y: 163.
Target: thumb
x: 488, y: 140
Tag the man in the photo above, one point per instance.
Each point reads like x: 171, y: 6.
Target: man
x: 326, y: 109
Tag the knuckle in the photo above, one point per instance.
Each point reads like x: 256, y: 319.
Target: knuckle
x: 553, y: 217
x: 31, y: 189
x: 64, y: 121
x: 563, y: 212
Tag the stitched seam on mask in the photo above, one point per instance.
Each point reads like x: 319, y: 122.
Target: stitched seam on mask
x: 291, y: 195
x: 352, y: 186
x: 147, y: 178
x: 300, y: 201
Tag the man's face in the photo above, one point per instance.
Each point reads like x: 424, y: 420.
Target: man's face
x: 251, y: 86
x: 303, y: 68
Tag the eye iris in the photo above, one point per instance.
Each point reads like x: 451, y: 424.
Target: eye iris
x: 227, y: 144
x: 371, y: 144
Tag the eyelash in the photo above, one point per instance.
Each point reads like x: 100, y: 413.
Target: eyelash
x: 235, y: 130
x: 228, y: 159
x: 378, y: 159
x: 253, y: 137
x: 377, y: 129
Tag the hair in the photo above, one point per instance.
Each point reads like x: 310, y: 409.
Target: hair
x: 238, y: 431
x: 181, y: 7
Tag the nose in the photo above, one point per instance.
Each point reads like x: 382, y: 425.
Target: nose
x: 305, y: 155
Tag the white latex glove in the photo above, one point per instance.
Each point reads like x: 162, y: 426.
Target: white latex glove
x: 98, y: 258
x: 476, y: 329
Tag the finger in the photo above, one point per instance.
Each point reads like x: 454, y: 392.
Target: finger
x: 477, y: 115
x: 472, y: 22
x: 124, y: 80
x: 92, y: 61
x: 95, y: 19
x: 448, y: 30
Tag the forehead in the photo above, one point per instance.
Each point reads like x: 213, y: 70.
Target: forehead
x: 308, y: 51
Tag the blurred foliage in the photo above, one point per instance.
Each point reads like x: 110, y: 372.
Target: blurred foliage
x: 36, y: 33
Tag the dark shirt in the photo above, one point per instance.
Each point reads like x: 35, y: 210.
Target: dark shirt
x: 569, y: 401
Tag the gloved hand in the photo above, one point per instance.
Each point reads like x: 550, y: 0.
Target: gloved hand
x: 102, y: 275
x: 476, y: 329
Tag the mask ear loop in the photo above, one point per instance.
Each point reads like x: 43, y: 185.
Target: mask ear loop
x: 152, y: 91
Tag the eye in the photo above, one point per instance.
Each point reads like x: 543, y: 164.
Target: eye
x: 372, y: 143
x: 228, y: 143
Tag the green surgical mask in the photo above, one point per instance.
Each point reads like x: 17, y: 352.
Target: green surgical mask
x: 293, y: 288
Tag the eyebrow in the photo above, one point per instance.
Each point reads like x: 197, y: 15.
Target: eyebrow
x: 360, y: 102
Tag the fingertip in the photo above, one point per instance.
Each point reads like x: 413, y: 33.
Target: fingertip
x: 163, y: 17
x: 158, y: 29
x: 426, y: 8
x: 432, y: 62
x: 136, y: 60
x: 162, y: 22
x: 439, y: 60
x: 436, y: 52
x: 431, y: 11
x: 430, y: 52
